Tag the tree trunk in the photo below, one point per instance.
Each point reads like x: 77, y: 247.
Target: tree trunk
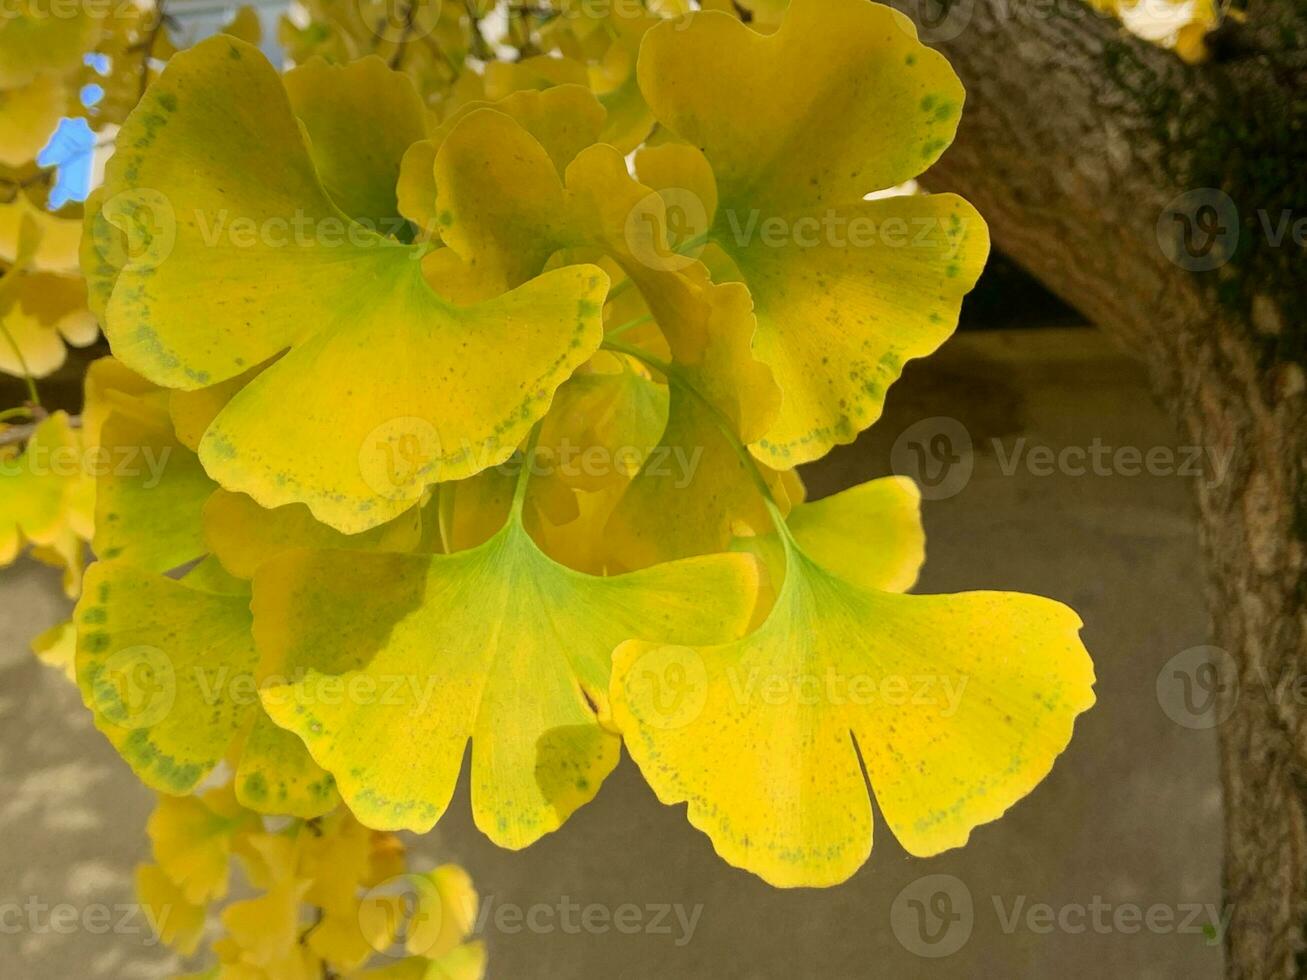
x: 1077, y: 144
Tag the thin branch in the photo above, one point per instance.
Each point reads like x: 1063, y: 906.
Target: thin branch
x: 410, y: 13
x: 160, y: 18
x: 19, y: 434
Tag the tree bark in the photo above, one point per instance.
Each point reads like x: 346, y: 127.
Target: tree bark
x: 1076, y: 142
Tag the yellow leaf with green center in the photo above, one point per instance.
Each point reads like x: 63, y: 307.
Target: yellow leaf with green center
x: 213, y: 246
x: 149, y: 492
x: 243, y: 535
x: 957, y: 706
x: 168, y: 670
x: 798, y: 127
x: 334, y: 103
x: 399, y: 660
x: 28, y: 117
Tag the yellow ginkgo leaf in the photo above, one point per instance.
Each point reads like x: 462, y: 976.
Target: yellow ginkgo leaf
x: 332, y: 101
x: 275, y: 774
x: 242, y: 535
x: 765, y: 15
x: 602, y: 426
x: 109, y: 387
x: 564, y: 120
x: 696, y: 492
x: 167, y: 671
x: 177, y: 922
x: 36, y: 40
x: 536, y: 73
x: 245, y: 25
x: 44, y: 495
x: 845, y: 290
x: 266, y: 929
x: 498, y: 644
x: 212, y: 245
x: 337, y: 858
x: 60, y: 235
x: 886, y: 553
x: 47, y: 311
x: 269, y: 858
x: 149, y: 491
x: 28, y: 117
x: 208, y: 575
x: 467, y: 962
x: 957, y: 706
x: 193, y: 411
x: 446, y: 912
x: 192, y: 839
x: 57, y: 647
x: 613, y: 78
x: 338, y: 939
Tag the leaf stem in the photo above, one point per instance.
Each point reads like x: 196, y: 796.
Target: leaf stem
x: 524, y: 474
x: 639, y: 321
x: 676, y: 377
x: 33, y: 395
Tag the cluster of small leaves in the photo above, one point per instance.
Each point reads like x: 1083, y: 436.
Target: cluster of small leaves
x: 327, y: 897
x: 482, y: 358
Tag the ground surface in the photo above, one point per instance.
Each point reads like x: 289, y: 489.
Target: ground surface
x: 1121, y: 843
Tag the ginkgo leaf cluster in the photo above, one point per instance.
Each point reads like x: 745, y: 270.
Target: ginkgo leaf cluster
x: 326, y: 896
x: 483, y: 366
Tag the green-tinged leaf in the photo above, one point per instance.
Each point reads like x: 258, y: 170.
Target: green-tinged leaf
x: 406, y: 657
x: 798, y: 126
x: 956, y: 704
x: 191, y: 252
